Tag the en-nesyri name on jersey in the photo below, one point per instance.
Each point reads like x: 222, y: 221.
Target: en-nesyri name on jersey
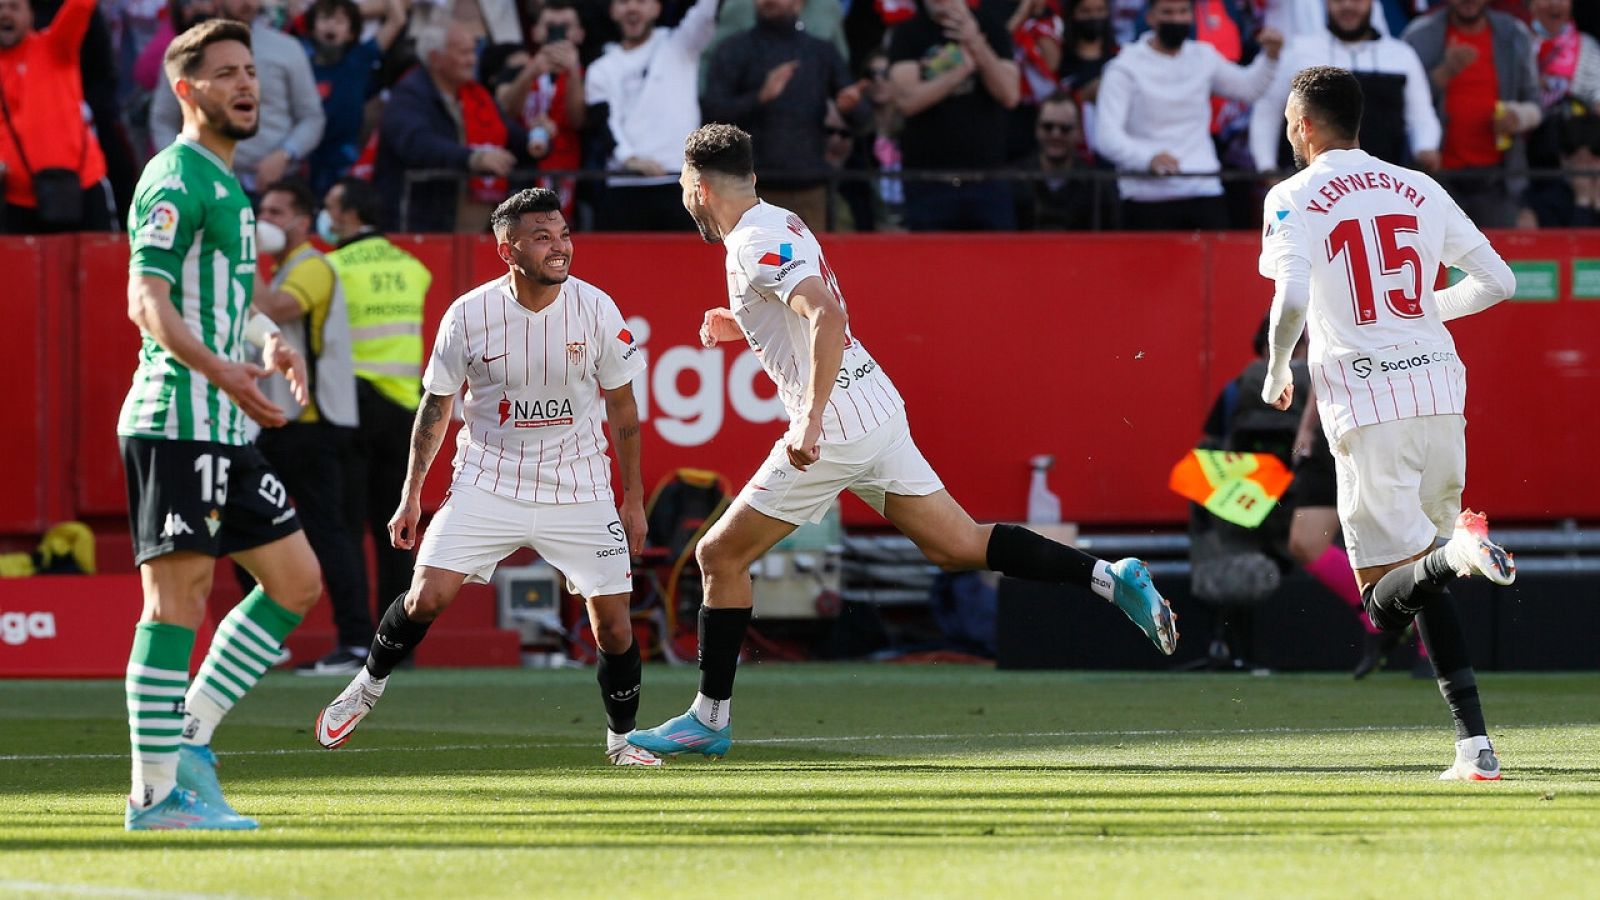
x: 1374, y: 236
x: 191, y: 225
x: 770, y: 251
x: 534, y: 414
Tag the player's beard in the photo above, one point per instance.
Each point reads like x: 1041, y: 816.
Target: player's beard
x: 704, y: 222
x: 217, y: 117
x: 537, y: 273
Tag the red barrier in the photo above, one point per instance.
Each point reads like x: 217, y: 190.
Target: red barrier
x: 73, y: 626
x: 1105, y: 350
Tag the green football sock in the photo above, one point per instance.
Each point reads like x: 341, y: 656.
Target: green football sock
x: 246, y: 645
x: 158, y: 676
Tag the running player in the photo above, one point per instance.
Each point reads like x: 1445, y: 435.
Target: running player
x: 1353, y: 244
x: 536, y: 349
x: 197, y: 487
x: 847, y: 430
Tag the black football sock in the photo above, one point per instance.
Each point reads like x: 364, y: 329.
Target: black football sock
x: 1403, y: 592
x: 1020, y: 553
x: 1440, y: 628
x: 619, y: 675
x: 721, y: 637
x: 397, y: 636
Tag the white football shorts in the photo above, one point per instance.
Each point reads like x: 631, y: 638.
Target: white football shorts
x: 1400, y: 486
x: 475, y: 529
x: 883, y: 461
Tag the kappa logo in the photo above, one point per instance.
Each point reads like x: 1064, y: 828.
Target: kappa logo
x: 172, y: 183
x: 175, y: 526
x: 222, y: 192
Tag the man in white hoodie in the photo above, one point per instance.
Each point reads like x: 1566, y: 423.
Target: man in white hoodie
x: 646, y: 89
x: 1154, y: 119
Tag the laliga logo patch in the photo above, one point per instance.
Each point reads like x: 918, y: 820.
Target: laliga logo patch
x: 161, y: 226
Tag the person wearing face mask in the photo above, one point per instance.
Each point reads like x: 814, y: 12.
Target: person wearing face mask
x: 1154, y: 119
x: 1398, y: 124
x: 291, y: 112
x: 344, y: 67
x: 1089, y: 41
x: 776, y: 82
x: 384, y: 288
x: 306, y: 301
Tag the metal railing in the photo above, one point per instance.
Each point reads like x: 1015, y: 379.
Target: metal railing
x: 1102, y: 183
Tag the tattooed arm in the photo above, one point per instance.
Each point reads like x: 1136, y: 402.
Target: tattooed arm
x: 622, y: 412
x: 427, y: 433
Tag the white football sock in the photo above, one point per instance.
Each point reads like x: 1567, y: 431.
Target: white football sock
x: 714, y: 714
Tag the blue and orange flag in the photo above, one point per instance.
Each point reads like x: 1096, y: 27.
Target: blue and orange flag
x: 1236, y: 487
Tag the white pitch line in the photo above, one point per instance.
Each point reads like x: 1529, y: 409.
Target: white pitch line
x: 838, y: 739
x: 57, y: 889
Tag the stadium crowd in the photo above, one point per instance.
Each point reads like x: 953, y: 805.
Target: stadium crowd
x: 868, y: 116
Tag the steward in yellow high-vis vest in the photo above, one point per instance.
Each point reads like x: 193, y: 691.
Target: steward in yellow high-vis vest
x: 384, y: 289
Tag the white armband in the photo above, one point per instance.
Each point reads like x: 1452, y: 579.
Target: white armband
x: 258, y: 329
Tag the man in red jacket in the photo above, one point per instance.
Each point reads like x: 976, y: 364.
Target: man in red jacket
x: 43, y: 126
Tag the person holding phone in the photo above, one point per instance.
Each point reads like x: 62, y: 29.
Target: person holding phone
x: 546, y: 96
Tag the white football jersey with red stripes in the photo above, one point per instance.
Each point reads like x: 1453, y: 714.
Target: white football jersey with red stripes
x: 771, y: 251
x: 534, y: 413
x: 1374, y: 235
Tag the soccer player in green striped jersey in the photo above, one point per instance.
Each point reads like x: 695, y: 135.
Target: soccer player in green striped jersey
x: 197, y: 489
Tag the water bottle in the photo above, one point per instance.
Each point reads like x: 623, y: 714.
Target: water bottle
x: 1044, y: 507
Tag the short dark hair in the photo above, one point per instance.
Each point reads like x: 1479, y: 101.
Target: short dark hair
x: 184, y: 54
x: 361, y: 198
x: 1332, y: 96
x: 300, y: 196
x: 723, y: 149
x: 347, y: 8
x: 523, y: 202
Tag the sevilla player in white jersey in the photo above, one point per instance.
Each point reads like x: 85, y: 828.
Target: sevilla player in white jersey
x: 539, y: 353
x: 847, y: 431
x: 1353, y: 245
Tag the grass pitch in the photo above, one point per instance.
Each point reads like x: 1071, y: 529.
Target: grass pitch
x: 844, y: 781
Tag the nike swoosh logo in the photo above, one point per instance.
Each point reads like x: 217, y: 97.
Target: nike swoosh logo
x: 335, y: 733
x: 490, y: 359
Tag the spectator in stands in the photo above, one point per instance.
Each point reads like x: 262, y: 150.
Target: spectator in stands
x: 545, y: 94
x: 181, y: 16
x: 775, y: 81
x: 1088, y: 43
x: 822, y: 19
x: 1569, y: 135
x: 440, y: 118
x: 1035, y: 29
x: 1398, y: 123
x: 1060, y: 201
x: 643, y: 103
x: 55, y: 175
x: 291, y: 112
x: 1154, y: 119
x: 887, y: 125
x: 850, y: 201
x: 486, y: 22
x: 953, y: 79
x: 1486, y: 88
x: 345, y: 68
x: 1309, y: 18
x: 384, y: 290
x: 308, y: 454
x: 101, y: 75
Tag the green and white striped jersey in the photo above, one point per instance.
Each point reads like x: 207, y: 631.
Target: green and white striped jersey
x: 191, y: 224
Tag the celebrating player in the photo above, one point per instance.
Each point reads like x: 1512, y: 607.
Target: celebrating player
x: 847, y: 430
x: 535, y: 348
x: 1353, y: 244
x: 197, y: 488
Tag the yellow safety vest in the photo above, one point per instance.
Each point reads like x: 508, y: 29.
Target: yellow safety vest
x: 384, y: 288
